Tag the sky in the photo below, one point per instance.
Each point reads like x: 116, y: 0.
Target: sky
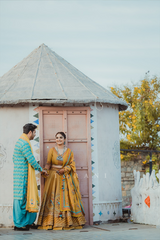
x: 112, y: 42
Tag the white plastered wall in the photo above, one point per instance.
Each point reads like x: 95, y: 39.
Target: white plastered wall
x: 12, y: 120
x: 106, y: 169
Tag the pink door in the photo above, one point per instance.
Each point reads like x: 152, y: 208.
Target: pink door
x: 75, y: 122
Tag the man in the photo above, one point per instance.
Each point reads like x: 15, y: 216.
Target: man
x: 24, y: 164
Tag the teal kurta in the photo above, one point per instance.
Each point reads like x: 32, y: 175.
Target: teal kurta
x: 22, y: 155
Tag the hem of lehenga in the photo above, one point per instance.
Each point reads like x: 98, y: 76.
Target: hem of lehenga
x: 58, y: 228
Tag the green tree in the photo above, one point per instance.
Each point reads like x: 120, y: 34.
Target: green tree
x: 140, y: 123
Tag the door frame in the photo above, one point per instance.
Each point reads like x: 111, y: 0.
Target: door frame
x: 88, y: 109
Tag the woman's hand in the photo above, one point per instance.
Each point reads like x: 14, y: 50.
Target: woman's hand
x: 61, y: 171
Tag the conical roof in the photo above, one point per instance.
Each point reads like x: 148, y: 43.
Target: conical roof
x: 43, y: 76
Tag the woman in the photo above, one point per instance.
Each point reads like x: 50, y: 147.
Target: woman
x: 62, y: 207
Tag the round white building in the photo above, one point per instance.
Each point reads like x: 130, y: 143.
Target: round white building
x: 46, y: 90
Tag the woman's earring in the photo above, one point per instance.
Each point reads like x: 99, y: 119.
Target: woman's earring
x: 64, y: 142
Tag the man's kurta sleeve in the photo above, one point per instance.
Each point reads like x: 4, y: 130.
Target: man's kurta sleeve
x: 27, y: 153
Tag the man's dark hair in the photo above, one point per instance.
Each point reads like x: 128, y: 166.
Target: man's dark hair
x: 29, y: 127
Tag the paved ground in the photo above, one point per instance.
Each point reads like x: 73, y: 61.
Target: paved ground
x: 115, y: 231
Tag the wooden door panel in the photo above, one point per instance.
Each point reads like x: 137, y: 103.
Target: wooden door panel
x: 77, y: 127
x: 83, y: 181
x: 52, y: 124
x: 76, y: 123
x: 86, y: 209
x: 80, y: 153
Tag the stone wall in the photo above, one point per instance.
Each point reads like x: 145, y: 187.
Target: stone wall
x: 127, y: 178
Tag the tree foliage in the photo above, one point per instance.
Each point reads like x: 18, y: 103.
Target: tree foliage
x: 140, y: 123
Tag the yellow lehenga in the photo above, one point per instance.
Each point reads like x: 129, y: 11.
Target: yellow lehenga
x: 61, y: 207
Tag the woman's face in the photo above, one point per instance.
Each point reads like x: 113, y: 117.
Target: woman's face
x: 60, y: 139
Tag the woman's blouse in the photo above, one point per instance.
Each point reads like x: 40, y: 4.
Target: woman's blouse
x: 52, y: 159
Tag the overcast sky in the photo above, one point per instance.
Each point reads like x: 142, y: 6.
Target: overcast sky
x: 112, y: 42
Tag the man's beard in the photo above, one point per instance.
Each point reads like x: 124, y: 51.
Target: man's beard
x: 32, y: 137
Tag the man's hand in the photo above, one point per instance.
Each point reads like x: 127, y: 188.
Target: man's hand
x: 44, y: 172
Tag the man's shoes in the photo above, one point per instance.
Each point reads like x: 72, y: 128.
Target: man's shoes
x: 21, y: 229
x: 33, y: 226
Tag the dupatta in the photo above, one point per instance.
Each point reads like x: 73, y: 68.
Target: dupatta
x: 69, y: 184
x: 32, y: 204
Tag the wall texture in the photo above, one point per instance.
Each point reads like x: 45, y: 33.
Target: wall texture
x: 106, y: 167
x: 12, y: 120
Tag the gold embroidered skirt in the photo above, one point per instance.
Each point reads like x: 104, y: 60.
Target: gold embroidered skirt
x: 51, y: 215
